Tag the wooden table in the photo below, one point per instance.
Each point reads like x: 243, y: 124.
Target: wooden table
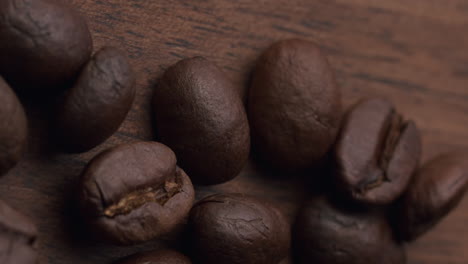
x: 412, y: 52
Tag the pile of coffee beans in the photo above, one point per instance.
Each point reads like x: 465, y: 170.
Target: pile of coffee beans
x: 370, y: 198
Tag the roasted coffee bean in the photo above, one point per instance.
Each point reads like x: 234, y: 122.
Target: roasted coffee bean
x: 377, y: 152
x: 436, y: 189
x: 135, y: 192
x: 326, y: 232
x: 294, y: 105
x: 17, y: 237
x: 156, y: 257
x: 13, y: 128
x: 200, y: 115
x: 44, y: 43
x: 98, y: 103
x: 235, y: 229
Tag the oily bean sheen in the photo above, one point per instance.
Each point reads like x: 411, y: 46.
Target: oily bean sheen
x: 97, y: 104
x: 133, y: 193
x: 17, y: 237
x: 436, y: 189
x: 294, y: 105
x: 235, y: 229
x: 13, y: 128
x: 44, y: 43
x: 200, y: 115
x: 327, y: 233
x: 156, y: 257
x: 377, y: 152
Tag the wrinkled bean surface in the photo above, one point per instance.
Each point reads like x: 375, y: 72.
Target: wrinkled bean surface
x: 235, y: 229
x: 135, y: 192
x: 327, y: 233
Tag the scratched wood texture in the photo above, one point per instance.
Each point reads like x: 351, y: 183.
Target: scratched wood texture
x: 412, y: 52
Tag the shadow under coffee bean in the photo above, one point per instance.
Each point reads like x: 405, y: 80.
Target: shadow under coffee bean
x: 163, y: 256
x: 17, y: 237
x: 14, y: 128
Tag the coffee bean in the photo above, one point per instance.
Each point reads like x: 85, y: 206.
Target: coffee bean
x: 200, y: 115
x: 235, y: 229
x: 294, y: 105
x: 44, y: 43
x: 98, y: 103
x: 328, y: 232
x: 164, y: 256
x: 17, y: 237
x: 135, y: 192
x: 13, y: 128
x: 436, y: 189
x: 376, y: 153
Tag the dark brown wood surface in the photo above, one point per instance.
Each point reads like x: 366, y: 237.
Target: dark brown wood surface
x: 412, y: 52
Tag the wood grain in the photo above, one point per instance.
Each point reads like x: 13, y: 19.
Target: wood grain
x: 412, y: 52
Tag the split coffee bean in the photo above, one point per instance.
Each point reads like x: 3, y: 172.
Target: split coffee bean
x: 133, y: 193
x: 377, y: 152
x: 328, y: 232
x: 200, y: 115
x: 17, y: 237
x: 13, y: 128
x: 44, y: 43
x: 436, y: 189
x: 294, y: 105
x: 237, y: 229
x: 156, y: 257
x: 95, y: 107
